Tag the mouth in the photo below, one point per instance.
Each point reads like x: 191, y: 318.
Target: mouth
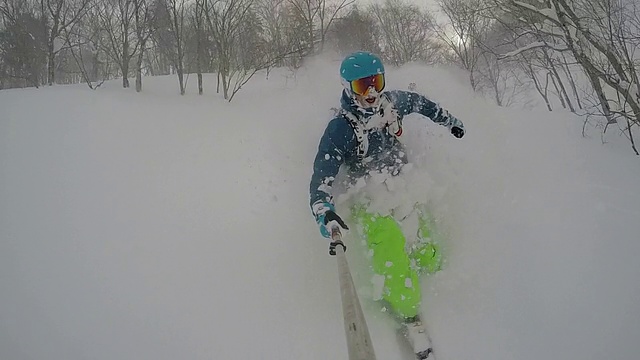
x: 370, y: 100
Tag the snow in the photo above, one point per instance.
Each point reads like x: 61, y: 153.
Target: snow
x: 533, y: 45
x: 154, y: 226
x: 549, y: 13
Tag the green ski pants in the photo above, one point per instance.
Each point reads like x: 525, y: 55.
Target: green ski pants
x: 386, y: 242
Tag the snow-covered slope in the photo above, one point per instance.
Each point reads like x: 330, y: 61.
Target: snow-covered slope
x: 154, y: 226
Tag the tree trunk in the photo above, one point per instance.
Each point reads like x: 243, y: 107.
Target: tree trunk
x: 126, y: 57
x: 139, y: 68
x: 125, y: 78
x: 544, y: 94
x: 496, y: 90
x: 180, y: 69
x: 311, y: 38
x: 572, y: 82
x: 558, y: 91
x: 225, y: 80
x: 181, y: 80
x: 538, y: 86
x: 597, y: 87
x: 95, y: 64
x: 563, y: 90
x: 51, y: 65
x: 51, y: 62
x: 199, y: 61
x: 633, y: 142
x: 218, y: 83
x: 586, y: 64
x: 472, y: 81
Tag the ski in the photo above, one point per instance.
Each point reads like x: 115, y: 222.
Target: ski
x: 415, y: 333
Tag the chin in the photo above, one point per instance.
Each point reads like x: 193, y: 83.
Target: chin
x: 369, y: 103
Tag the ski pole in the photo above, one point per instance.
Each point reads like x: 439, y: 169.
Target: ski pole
x: 355, y: 326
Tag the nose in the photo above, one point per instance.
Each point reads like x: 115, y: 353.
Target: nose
x: 371, y: 91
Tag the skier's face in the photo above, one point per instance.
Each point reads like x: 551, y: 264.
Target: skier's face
x: 367, y: 90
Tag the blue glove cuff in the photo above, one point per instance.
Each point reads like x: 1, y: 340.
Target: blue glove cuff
x: 319, y: 210
x: 324, y: 232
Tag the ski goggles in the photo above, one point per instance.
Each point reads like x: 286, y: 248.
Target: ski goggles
x: 362, y: 86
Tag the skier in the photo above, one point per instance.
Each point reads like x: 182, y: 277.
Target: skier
x: 364, y: 139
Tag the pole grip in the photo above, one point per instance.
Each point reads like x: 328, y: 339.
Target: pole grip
x: 336, y: 236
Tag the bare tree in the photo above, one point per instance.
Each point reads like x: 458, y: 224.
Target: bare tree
x: 82, y: 40
x: 226, y: 21
x: 22, y: 44
x: 407, y: 32
x: 171, y: 22
x: 198, y: 22
x: 271, y: 14
x: 117, y: 20
x: 278, y: 31
x: 60, y: 15
x: 317, y: 17
x: 143, y: 26
x: 566, y: 70
x: 529, y: 66
x: 469, y: 22
x: 356, y: 31
x: 296, y: 31
x: 327, y: 14
x: 536, y: 60
x: 306, y: 12
x: 602, y: 37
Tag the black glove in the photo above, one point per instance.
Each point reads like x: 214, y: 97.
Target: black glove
x: 327, y: 218
x: 332, y: 216
x: 457, y: 132
x: 330, y: 220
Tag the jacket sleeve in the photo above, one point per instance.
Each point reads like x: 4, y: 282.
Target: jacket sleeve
x: 407, y: 102
x: 336, y: 145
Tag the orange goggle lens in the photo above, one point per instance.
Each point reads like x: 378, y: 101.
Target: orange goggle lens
x: 361, y: 86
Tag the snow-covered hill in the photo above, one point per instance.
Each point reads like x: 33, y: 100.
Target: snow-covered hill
x: 154, y: 226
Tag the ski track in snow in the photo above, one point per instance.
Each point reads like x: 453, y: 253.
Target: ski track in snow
x: 154, y: 226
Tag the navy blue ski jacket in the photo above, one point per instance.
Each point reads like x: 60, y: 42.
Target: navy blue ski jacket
x: 339, y: 144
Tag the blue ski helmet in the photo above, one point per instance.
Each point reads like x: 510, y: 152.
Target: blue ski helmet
x: 360, y: 65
